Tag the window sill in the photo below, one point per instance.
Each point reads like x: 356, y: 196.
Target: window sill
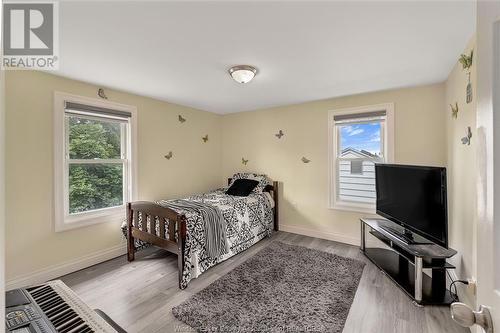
x: 354, y: 207
x: 110, y: 215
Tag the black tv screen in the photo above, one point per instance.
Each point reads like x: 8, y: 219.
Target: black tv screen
x: 414, y: 197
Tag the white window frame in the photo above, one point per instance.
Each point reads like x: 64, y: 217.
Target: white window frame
x: 387, y: 137
x: 62, y: 219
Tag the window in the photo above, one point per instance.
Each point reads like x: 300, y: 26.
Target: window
x: 93, y: 159
x: 359, y: 138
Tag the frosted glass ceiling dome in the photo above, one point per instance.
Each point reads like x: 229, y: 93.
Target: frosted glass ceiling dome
x: 243, y: 73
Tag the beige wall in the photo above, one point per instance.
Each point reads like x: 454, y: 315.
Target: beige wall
x: 424, y: 134
x: 2, y: 190
x: 31, y: 244
x: 461, y: 169
x: 420, y: 138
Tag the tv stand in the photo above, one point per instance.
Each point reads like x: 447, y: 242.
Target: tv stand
x: 404, y: 261
x: 406, y: 236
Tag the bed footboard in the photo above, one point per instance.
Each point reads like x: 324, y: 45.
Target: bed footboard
x: 153, y: 218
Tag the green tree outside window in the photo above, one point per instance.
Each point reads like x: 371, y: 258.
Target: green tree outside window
x: 94, y: 185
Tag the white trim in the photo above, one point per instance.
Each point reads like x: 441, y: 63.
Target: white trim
x: 353, y: 207
x: 388, y: 142
x: 67, y: 267
x: 320, y: 234
x: 106, y: 215
x: 98, y: 161
x: 85, y: 219
x: 328, y: 236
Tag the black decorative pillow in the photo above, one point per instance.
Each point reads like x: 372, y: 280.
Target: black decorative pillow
x: 242, y: 187
x: 262, y: 179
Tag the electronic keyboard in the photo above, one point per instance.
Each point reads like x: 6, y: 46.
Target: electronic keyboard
x: 53, y: 307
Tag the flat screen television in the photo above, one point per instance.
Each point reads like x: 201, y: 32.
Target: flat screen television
x: 415, y: 198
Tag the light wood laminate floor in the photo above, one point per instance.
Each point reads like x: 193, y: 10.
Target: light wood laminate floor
x: 139, y: 295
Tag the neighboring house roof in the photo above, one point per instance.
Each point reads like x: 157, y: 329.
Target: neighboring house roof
x: 357, y: 153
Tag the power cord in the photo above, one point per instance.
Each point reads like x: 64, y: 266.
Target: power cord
x: 454, y: 295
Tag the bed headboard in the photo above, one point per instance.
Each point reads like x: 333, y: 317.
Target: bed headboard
x: 273, y: 190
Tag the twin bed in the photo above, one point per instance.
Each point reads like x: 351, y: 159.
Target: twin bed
x: 205, y: 229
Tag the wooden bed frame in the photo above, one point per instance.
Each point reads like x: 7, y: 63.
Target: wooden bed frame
x: 176, y: 240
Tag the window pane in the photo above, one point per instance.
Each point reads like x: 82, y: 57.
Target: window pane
x: 95, y: 186
x: 93, y: 139
x: 360, y: 146
x: 357, y: 186
x: 360, y: 140
x: 357, y: 167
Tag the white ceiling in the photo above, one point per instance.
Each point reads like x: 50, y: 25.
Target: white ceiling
x: 180, y: 51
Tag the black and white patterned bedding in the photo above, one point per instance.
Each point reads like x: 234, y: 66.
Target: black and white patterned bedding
x: 248, y: 220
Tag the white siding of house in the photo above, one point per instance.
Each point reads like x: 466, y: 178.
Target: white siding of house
x: 357, y: 187
x: 350, y: 154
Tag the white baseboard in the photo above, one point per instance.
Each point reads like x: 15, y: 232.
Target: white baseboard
x: 64, y: 268
x: 320, y: 234
x: 370, y: 241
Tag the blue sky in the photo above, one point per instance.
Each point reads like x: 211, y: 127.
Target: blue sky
x: 361, y: 136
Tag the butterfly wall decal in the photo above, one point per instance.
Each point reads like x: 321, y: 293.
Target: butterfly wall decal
x: 454, y: 110
x: 466, y: 60
x: 181, y: 119
x: 101, y: 93
x: 169, y: 155
x: 305, y: 160
x: 205, y: 138
x: 279, y: 134
x: 466, y: 139
x: 243, y: 161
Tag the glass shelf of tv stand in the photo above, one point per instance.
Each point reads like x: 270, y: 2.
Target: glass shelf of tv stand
x: 431, y: 251
x: 427, y: 264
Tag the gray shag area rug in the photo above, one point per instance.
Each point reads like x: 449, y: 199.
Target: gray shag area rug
x: 282, y: 288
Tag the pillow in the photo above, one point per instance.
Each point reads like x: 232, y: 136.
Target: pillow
x: 262, y: 179
x: 242, y: 187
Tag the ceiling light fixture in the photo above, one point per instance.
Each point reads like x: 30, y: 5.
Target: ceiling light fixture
x: 242, y: 73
